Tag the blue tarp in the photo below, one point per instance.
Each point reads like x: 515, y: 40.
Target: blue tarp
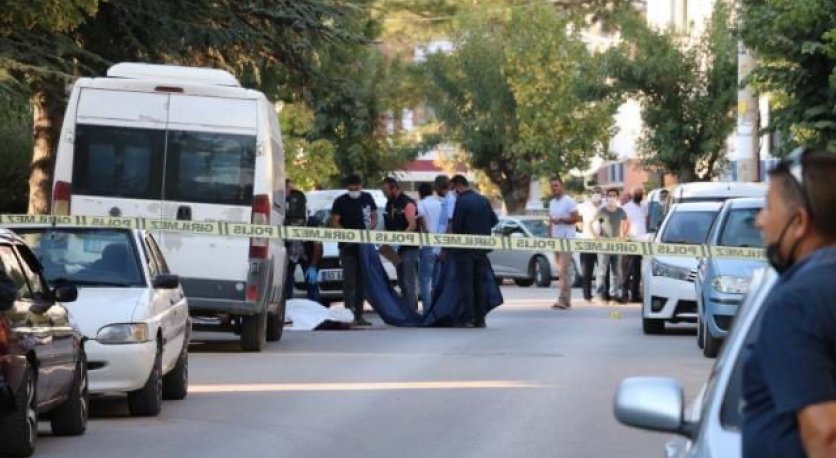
x: 447, y: 307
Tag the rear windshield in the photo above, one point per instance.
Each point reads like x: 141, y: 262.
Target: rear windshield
x: 688, y: 227
x: 86, y: 257
x: 130, y: 162
x: 538, y: 227
x: 739, y: 229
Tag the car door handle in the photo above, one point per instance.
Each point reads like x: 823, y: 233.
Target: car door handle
x: 184, y: 213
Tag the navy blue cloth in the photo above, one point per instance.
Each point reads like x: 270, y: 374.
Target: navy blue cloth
x: 792, y: 362
x: 473, y: 214
x: 447, y: 308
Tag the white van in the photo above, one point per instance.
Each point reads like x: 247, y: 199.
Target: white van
x: 171, y: 142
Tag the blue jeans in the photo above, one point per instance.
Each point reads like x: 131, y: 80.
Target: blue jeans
x: 425, y: 275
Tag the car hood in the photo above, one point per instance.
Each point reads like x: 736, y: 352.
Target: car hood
x: 676, y: 261
x: 736, y: 267
x: 97, y: 307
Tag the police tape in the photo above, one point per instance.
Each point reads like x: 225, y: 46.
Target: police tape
x: 322, y: 234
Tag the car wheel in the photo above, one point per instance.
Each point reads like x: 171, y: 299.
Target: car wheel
x: 148, y: 400
x: 254, y: 331
x: 523, y: 282
x: 176, y: 382
x: 70, y: 418
x: 652, y: 326
x: 711, y: 344
x: 19, y: 429
x: 275, y: 322
x: 700, y: 334
x: 541, y: 272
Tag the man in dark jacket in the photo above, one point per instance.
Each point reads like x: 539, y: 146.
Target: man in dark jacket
x: 474, y: 215
x: 401, y: 215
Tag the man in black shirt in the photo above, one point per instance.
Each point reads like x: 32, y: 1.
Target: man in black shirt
x: 474, y: 215
x: 402, y: 216
x: 355, y: 209
x: 789, y: 378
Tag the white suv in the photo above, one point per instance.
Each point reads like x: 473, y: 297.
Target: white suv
x: 669, y: 293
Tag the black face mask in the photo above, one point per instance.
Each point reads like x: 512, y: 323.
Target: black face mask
x: 773, y: 252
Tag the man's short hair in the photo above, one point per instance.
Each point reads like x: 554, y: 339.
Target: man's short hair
x: 460, y: 180
x: 353, y: 180
x: 556, y: 178
x: 817, y: 194
x: 425, y: 189
x: 595, y: 190
x: 441, y: 181
x: 392, y: 182
x: 615, y: 191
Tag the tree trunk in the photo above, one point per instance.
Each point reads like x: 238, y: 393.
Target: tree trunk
x: 48, y: 112
x: 515, y: 193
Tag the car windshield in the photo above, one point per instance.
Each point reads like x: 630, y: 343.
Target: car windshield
x: 688, y: 227
x: 739, y: 229
x: 86, y: 257
x: 537, y: 227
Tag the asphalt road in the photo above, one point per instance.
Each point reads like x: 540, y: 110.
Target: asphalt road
x: 536, y: 383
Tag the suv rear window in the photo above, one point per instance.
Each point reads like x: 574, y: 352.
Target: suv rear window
x: 118, y: 161
x: 688, y: 227
x: 210, y: 168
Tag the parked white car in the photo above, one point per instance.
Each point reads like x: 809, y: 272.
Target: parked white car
x: 669, y: 293
x: 130, y: 309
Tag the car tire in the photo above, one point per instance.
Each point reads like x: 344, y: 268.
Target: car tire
x: 19, y: 429
x: 275, y: 322
x: 176, y: 382
x: 148, y: 400
x: 541, y: 272
x: 523, y: 282
x: 254, y: 332
x: 70, y: 418
x: 652, y: 326
x: 700, y: 334
x: 711, y: 345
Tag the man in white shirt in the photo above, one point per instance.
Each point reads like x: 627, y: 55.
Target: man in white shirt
x: 429, y: 212
x: 588, y: 210
x: 563, y: 215
x: 631, y: 265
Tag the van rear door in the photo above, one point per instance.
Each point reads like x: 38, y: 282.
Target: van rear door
x: 118, y: 153
x: 210, y: 168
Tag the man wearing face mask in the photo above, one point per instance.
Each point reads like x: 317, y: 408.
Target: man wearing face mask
x: 612, y: 221
x: 789, y: 375
x: 631, y: 265
x: 353, y: 210
x: 588, y: 210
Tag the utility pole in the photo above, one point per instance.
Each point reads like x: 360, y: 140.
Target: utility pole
x: 748, y: 120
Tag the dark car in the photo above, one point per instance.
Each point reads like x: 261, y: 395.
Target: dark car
x: 43, y: 371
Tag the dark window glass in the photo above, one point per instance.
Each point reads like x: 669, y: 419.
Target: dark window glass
x: 740, y: 231
x: 210, y: 168
x: 118, y: 161
x: 11, y: 268
x: 688, y: 227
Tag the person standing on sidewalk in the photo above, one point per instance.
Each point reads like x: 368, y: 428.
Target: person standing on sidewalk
x: 612, y: 221
x: 402, y: 216
x: 563, y: 215
x: 475, y: 216
x: 588, y: 210
x: 353, y: 210
x: 631, y: 265
x: 789, y: 365
x: 429, y: 211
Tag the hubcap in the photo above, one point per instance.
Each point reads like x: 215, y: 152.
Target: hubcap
x: 31, y: 411
x: 538, y: 273
x: 82, y: 391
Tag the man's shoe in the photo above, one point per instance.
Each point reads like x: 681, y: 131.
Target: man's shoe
x: 361, y: 322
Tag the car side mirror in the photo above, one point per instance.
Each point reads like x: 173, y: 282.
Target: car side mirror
x: 652, y: 403
x: 6, y: 303
x: 65, y: 293
x: 166, y: 281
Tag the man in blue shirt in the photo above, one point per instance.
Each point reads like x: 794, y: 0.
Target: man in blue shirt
x: 474, y: 215
x: 789, y: 383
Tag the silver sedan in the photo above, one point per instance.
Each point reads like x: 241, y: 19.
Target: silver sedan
x: 527, y: 268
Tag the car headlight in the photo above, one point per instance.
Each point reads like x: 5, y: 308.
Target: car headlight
x: 123, y: 333
x: 730, y: 285
x: 660, y: 269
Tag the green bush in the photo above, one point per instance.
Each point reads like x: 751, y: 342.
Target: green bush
x: 15, y: 153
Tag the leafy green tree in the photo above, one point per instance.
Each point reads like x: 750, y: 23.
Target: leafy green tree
x: 795, y: 45
x: 309, y: 164
x: 15, y: 152
x: 517, y: 96
x: 688, y: 92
